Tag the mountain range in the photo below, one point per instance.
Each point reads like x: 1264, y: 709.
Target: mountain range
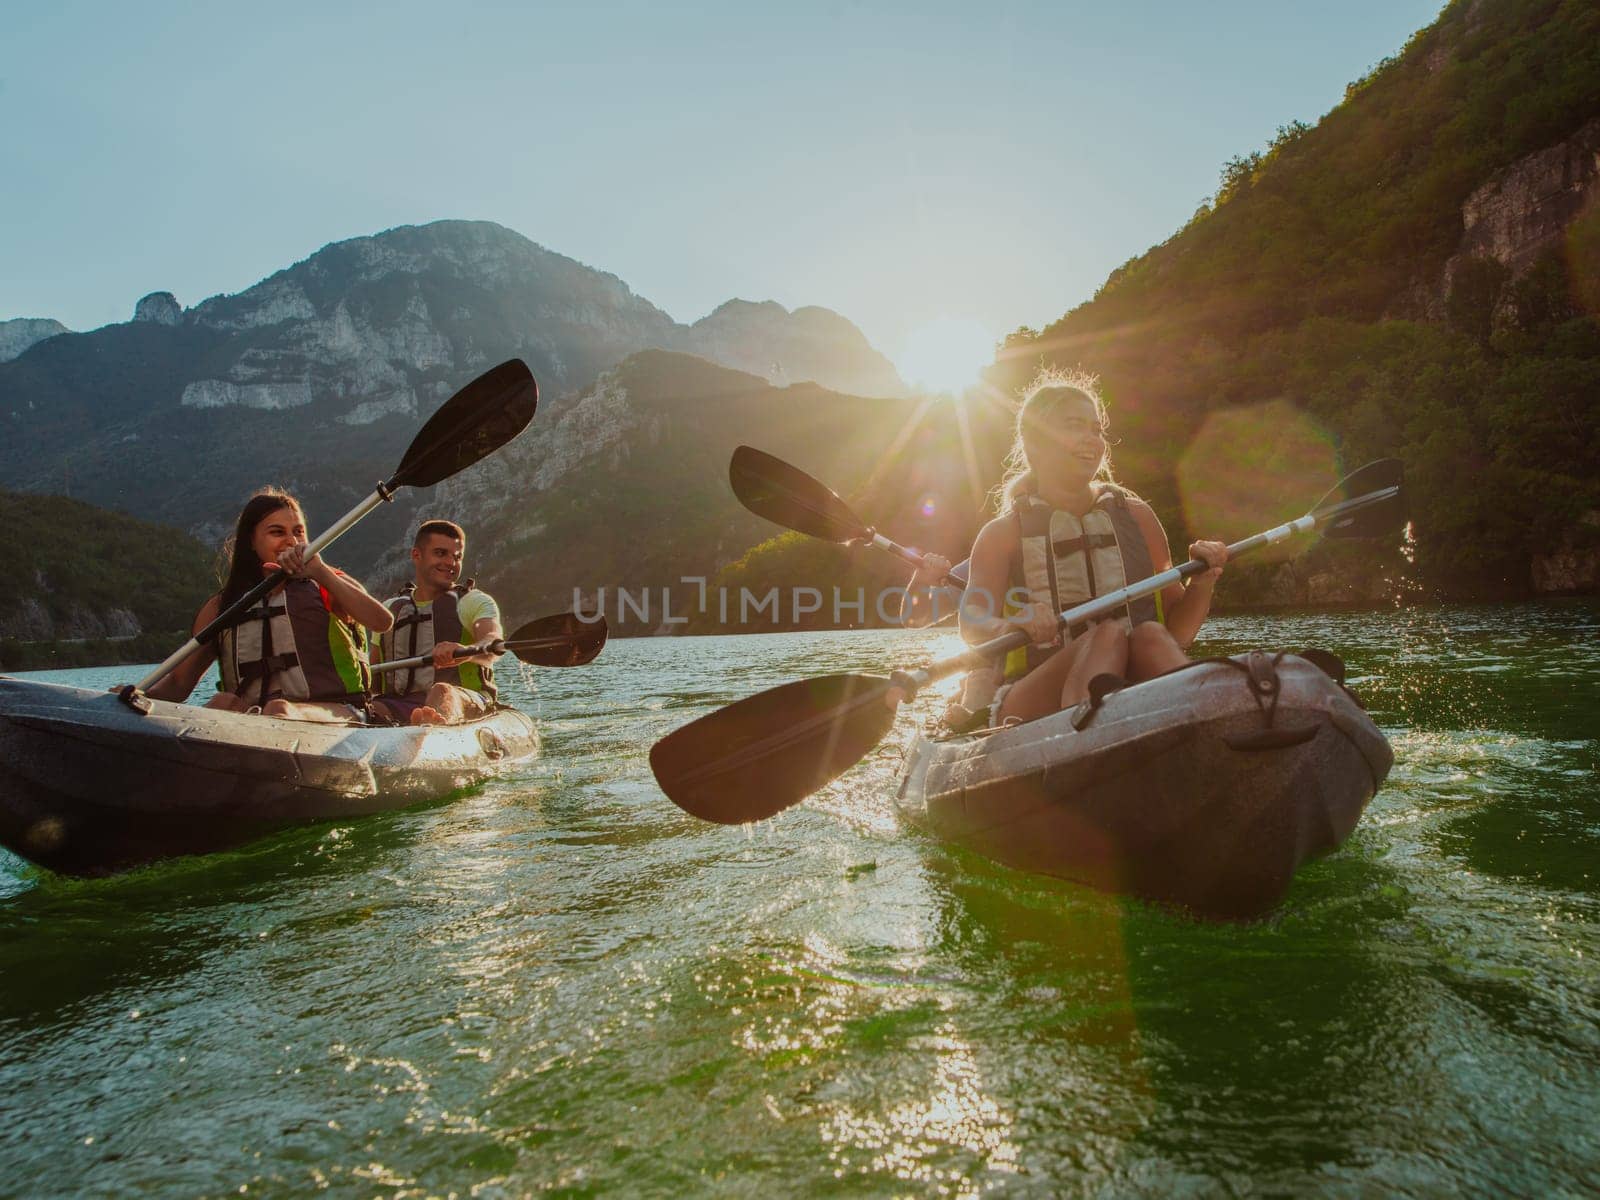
x: 317, y: 377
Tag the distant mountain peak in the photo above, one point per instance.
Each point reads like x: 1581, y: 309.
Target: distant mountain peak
x: 810, y: 343
x: 22, y: 333
x: 739, y: 308
x: 161, y: 308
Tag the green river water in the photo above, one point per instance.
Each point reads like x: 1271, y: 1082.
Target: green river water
x: 560, y: 982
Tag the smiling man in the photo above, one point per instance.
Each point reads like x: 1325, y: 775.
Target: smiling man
x: 438, y: 616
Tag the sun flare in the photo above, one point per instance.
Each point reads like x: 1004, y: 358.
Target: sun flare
x: 946, y: 354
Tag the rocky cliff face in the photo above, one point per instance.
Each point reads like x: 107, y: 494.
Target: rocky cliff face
x: 1528, y: 206
x: 161, y: 308
x: 29, y: 621
x: 1525, y: 211
x: 1574, y: 566
x: 19, y: 334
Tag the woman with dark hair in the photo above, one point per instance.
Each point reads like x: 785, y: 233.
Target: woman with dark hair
x: 1068, y: 532
x: 302, y: 651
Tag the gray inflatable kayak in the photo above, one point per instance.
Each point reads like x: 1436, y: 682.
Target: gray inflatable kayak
x: 88, y: 786
x: 1204, y: 789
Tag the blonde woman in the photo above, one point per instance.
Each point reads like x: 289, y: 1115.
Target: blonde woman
x: 1066, y: 533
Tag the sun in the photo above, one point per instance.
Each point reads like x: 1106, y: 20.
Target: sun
x: 946, y: 355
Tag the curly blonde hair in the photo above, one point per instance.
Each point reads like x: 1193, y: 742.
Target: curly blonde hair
x: 1039, y: 405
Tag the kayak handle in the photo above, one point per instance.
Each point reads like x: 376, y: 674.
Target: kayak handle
x: 1270, y: 739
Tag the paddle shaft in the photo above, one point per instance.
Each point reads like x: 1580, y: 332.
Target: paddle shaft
x: 913, y: 681
x: 228, y: 616
x: 426, y: 660
x: 498, y: 646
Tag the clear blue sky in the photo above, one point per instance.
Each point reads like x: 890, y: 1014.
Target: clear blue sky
x: 894, y: 162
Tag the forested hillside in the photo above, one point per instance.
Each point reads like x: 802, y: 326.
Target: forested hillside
x: 1417, y: 275
x: 85, y: 585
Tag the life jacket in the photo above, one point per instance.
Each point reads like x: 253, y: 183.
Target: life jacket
x: 1063, y: 560
x: 416, y: 633
x: 292, y: 646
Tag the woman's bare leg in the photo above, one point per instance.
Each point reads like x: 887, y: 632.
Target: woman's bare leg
x: 1153, y: 651
x: 227, y: 702
x: 1045, y: 690
x: 1105, y: 653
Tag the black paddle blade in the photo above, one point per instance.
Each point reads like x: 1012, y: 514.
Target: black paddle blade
x: 1369, y: 503
x: 558, y: 641
x: 471, y: 425
x: 757, y: 757
x: 787, y: 496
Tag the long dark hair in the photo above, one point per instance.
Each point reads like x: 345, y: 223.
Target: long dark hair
x: 239, y: 551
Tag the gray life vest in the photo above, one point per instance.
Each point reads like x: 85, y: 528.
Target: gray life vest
x: 1063, y: 560
x: 416, y: 633
x: 291, y: 646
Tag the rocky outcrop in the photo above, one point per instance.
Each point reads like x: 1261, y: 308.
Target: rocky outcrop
x: 218, y: 393
x: 1574, y: 565
x: 24, y: 332
x: 1301, y: 584
x: 1567, y: 572
x: 1525, y: 210
x: 159, y: 308
x: 30, y: 621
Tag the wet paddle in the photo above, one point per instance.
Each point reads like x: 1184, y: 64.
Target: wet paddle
x: 561, y: 640
x: 760, y: 755
x: 472, y: 424
x: 787, y: 496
